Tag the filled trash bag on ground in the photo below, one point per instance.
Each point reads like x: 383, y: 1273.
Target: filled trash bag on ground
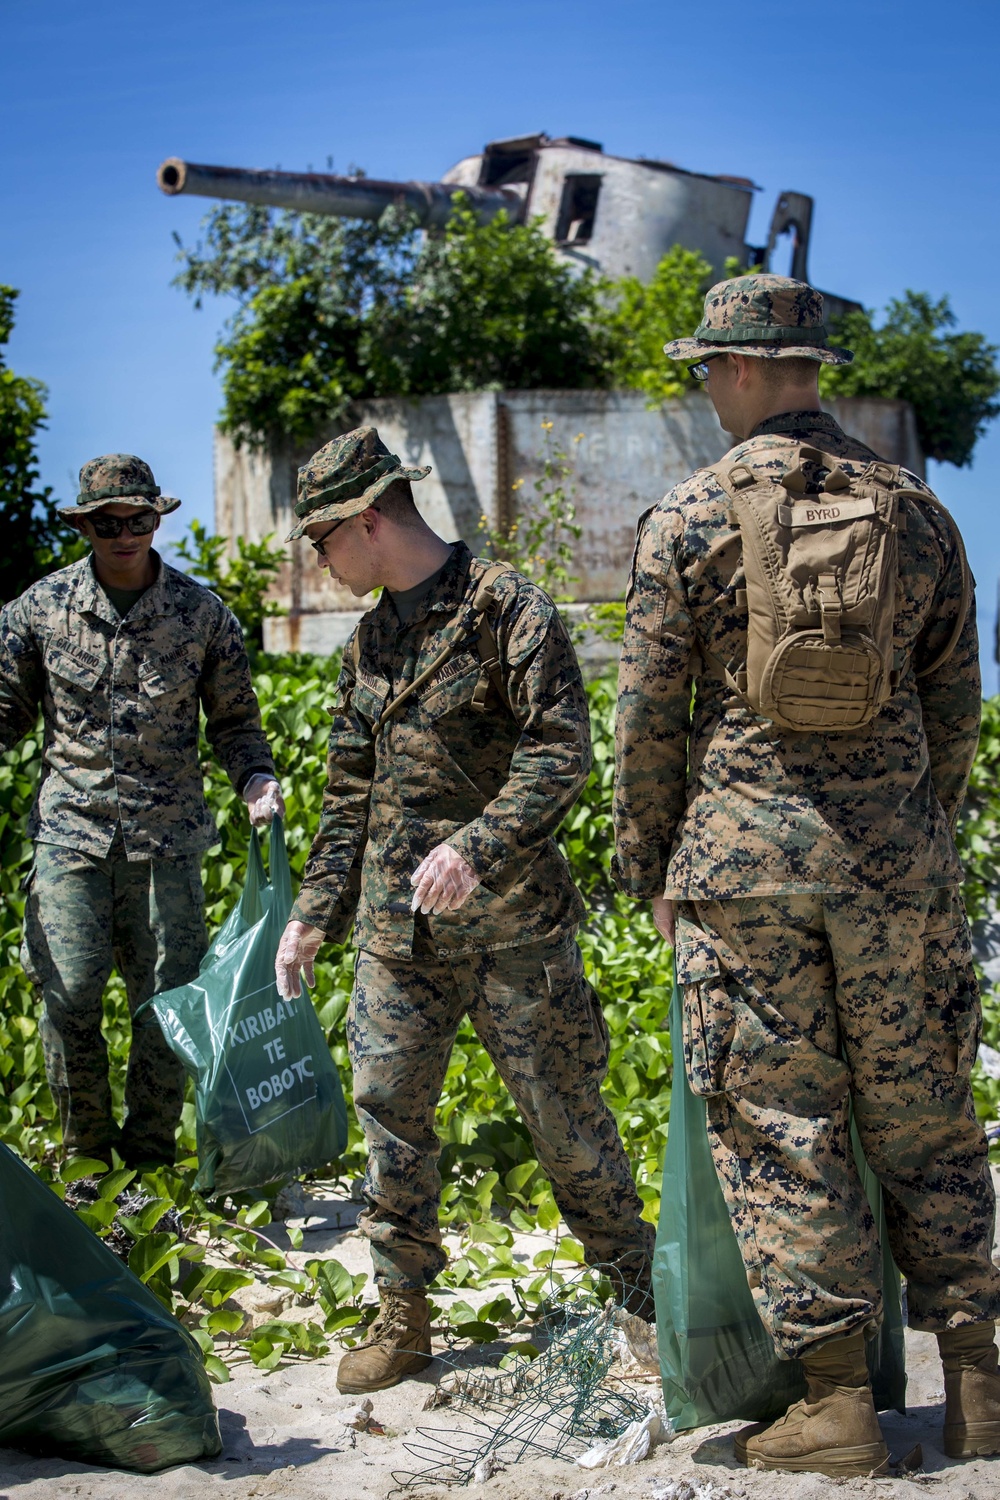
x: 268, y: 1100
x: 92, y: 1366
x: 717, y: 1360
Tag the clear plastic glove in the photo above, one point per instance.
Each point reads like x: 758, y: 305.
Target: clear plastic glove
x: 296, y: 952
x: 663, y: 918
x: 262, y: 795
x: 443, y: 881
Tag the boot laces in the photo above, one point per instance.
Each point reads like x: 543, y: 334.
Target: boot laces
x: 390, y: 1322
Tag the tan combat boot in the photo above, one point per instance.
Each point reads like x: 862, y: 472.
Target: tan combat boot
x: 834, y: 1431
x: 972, y: 1391
x: 398, y: 1343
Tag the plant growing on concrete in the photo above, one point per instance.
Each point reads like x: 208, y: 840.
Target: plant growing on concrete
x: 642, y: 316
x: 303, y: 284
x: 540, y: 541
x: 332, y: 310
x: 951, y: 379
x: 488, y: 307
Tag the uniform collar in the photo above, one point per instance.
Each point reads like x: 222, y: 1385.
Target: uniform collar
x: 445, y: 597
x: 90, y: 598
x: 802, y: 424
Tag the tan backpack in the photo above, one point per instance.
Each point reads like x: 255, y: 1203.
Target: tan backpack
x: 821, y: 568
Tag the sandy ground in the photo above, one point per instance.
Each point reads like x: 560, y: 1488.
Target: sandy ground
x: 284, y: 1435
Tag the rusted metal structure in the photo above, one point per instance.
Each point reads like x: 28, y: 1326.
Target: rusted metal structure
x: 617, y: 214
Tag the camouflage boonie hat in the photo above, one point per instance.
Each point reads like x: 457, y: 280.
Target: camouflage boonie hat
x: 773, y: 317
x: 345, y: 477
x: 118, y: 479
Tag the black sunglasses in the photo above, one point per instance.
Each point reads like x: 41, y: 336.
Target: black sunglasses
x: 318, y: 545
x: 106, y: 526
x: 699, y: 372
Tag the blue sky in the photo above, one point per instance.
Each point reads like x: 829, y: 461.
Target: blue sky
x: 884, y: 111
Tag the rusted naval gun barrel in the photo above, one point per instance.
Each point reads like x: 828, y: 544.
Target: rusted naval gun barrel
x: 341, y: 197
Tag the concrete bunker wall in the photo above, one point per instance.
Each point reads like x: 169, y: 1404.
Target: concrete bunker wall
x: 627, y: 454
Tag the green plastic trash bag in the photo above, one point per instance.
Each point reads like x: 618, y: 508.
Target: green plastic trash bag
x: 716, y: 1358
x: 268, y: 1101
x: 92, y: 1366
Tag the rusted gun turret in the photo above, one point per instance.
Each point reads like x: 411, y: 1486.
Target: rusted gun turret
x: 342, y: 197
x: 618, y: 215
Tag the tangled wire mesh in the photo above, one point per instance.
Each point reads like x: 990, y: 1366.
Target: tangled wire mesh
x: 554, y: 1402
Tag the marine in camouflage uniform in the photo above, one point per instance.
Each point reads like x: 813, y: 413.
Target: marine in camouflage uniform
x: 120, y: 821
x: 822, y: 945
x: 487, y: 763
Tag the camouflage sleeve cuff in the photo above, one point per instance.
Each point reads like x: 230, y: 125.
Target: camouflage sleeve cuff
x: 333, y: 915
x: 247, y: 776
x: 499, y: 868
x: 636, y: 880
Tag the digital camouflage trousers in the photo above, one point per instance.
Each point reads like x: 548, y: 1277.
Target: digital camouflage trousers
x: 542, y: 1025
x: 795, y: 1007
x: 85, y: 915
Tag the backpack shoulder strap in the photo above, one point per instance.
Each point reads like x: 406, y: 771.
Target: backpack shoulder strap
x: 486, y: 649
x: 486, y: 641
x: 963, y: 608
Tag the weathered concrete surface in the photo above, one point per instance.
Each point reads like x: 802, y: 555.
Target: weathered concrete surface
x: 626, y: 455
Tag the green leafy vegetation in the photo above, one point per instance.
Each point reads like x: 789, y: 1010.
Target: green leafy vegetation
x: 493, y: 1185
x: 291, y: 354
x: 540, y: 542
x: 241, y: 582
x: 35, y: 540
x: 951, y: 379
x: 330, y: 311
x: 643, y: 316
x: 489, y: 307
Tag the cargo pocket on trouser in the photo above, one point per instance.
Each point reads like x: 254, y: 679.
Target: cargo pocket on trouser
x: 953, y: 1017
x: 709, y: 1013
x: 734, y: 1039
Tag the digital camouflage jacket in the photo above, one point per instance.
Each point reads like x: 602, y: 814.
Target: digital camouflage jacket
x: 120, y: 703
x: 713, y: 801
x: 495, y: 784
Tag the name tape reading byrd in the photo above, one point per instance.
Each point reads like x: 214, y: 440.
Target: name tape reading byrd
x: 823, y: 515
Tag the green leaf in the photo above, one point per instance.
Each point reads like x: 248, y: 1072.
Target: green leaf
x: 81, y: 1166
x: 547, y: 1213
x: 479, y: 1333
x: 296, y: 1281
x: 256, y: 1216
x: 344, y: 1317
x: 571, y: 1250
x: 264, y: 1354
x: 217, y: 1371
x: 151, y: 1254
x: 99, y: 1215
x: 519, y: 1176
x: 114, y: 1183
x: 224, y: 1321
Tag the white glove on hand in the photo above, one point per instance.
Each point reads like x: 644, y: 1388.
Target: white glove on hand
x: 443, y: 881
x: 297, y: 950
x: 262, y: 795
